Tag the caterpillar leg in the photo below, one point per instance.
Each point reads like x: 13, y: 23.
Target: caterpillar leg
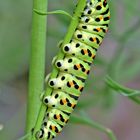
x: 42, y: 95
x: 47, y: 78
x: 60, y: 44
x: 54, y: 59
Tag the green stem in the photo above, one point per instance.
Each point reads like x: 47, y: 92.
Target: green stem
x: 37, y: 63
x: 69, y: 34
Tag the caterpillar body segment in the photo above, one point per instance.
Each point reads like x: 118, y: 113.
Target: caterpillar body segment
x: 61, y: 101
x: 49, y: 129
x: 73, y: 69
x: 67, y: 83
x: 80, y: 50
x: 102, y: 20
x: 99, y: 30
x: 73, y: 66
x: 52, y: 126
x: 96, y: 8
x: 58, y: 116
x: 92, y: 40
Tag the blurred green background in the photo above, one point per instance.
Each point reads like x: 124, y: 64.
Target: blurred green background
x: 118, y: 57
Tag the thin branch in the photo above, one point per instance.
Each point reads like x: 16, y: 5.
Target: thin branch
x: 37, y: 64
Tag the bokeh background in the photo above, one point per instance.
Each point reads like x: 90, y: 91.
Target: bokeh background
x: 119, y: 57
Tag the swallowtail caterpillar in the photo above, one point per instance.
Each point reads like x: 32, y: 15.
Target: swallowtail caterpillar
x: 74, y: 68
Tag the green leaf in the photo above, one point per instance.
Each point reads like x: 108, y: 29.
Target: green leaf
x: 131, y: 93
x: 53, y: 12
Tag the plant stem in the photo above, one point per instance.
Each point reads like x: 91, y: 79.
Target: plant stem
x: 37, y: 63
x: 69, y: 34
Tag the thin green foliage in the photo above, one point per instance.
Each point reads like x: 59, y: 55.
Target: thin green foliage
x: 61, y: 12
x: 131, y: 93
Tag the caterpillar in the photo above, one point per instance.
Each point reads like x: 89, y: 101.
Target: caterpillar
x: 74, y: 68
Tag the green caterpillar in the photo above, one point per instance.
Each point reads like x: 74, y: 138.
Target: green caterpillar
x: 74, y: 68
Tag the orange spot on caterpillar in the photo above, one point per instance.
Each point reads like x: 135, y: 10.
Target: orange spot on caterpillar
x: 64, y: 101
x: 94, y: 39
x: 78, y: 66
x: 53, y: 128
x: 98, y: 29
x: 73, y: 105
x: 101, y: 17
x: 58, y: 117
x: 93, y: 55
x: 85, y: 52
x: 71, y: 84
x: 80, y: 88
